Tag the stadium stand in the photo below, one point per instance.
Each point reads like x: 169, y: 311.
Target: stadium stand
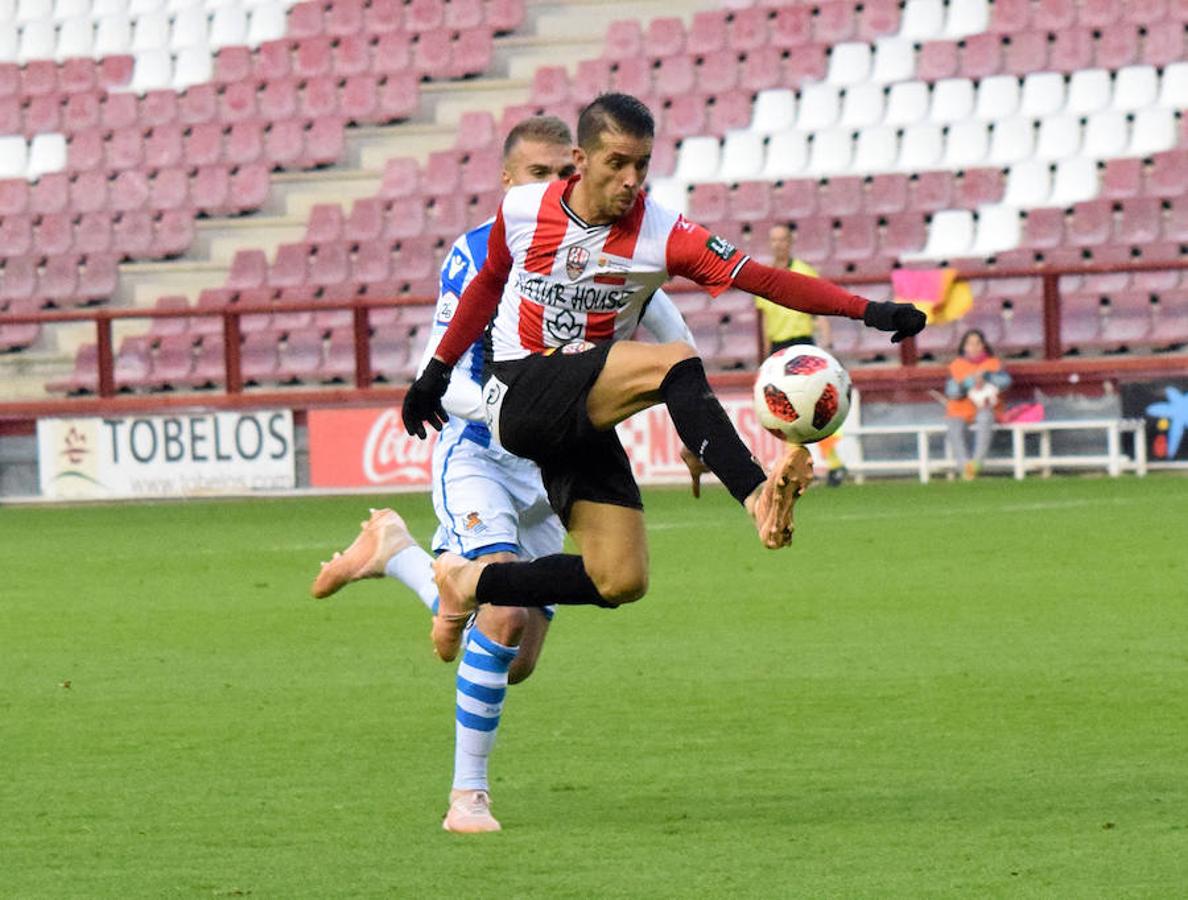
x: 973, y: 133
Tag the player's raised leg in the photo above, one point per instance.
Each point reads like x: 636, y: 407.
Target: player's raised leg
x: 637, y: 376
x: 381, y: 538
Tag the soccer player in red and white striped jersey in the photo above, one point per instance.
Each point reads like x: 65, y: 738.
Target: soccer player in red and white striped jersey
x: 570, y: 266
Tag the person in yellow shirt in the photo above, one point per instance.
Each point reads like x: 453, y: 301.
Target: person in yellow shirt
x: 784, y: 327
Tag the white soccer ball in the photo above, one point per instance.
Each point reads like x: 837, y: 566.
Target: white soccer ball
x: 802, y: 394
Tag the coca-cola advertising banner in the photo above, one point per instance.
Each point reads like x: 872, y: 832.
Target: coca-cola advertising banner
x: 368, y: 447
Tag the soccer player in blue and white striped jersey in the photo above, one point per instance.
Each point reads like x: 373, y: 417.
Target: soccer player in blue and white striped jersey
x: 490, y: 504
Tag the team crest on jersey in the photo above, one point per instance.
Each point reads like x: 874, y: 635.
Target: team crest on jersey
x: 576, y: 261
x: 474, y: 523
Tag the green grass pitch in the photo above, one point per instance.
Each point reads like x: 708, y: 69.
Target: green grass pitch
x: 947, y: 690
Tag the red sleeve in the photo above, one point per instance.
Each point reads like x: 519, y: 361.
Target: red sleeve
x: 795, y: 291
x: 480, y: 299
x: 705, y: 258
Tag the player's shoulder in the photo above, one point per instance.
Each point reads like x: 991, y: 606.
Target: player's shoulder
x: 660, y: 218
x: 523, y: 200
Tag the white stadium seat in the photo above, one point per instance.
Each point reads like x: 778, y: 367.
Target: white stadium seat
x: 950, y: 234
x: 922, y: 20
x: 47, y: 153
x: 967, y: 17
x: 266, y: 22
x: 742, y: 156
x: 1135, y: 88
x: 76, y: 37
x: 894, y: 60
x: 1076, y: 179
x: 820, y: 105
x: 698, y: 159
x: 774, y: 110
x: 787, y: 155
x: 140, y: 7
x: 113, y: 35
x: 670, y: 193
x: 1059, y: 137
x: 34, y: 10
x: 8, y: 10
x: 101, y: 8
x: 967, y: 144
x: 153, y: 70
x: 831, y: 152
x: 998, y: 229
x: 1043, y: 94
x: 849, y: 63
x: 1011, y: 141
x: 228, y: 27
x: 150, y: 32
x: 39, y: 40
x: 72, y: 9
x: 907, y: 103
x: 14, y: 157
x: 876, y: 150
x: 1028, y: 185
x: 10, y: 41
x: 1106, y: 135
x: 190, y: 28
x: 192, y: 65
x: 862, y: 106
x: 1173, y: 90
x: 922, y: 148
x: 1088, y: 91
x: 952, y: 100
x: 1154, y: 131
x: 998, y: 97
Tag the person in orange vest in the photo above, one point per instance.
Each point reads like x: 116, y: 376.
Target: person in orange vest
x: 974, y: 388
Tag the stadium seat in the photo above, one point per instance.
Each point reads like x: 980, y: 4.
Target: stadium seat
x: 922, y: 20
x: 1107, y: 134
x: 808, y: 64
x: 967, y: 143
x: 761, y: 70
x: 1070, y: 49
x: 886, y: 193
x: 742, y: 156
x: 774, y: 110
x: 907, y: 103
x: 1140, y: 222
x: 794, y: 199
x: 1043, y: 228
x: 950, y: 234
x: 840, y: 196
x: 1059, y: 137
x: 1135, y: 88
x: 930, y: 191
x: 978, y: 187
x: 876, y: 149
x: 903, y: 234
x: 750, y: 201
x: 85, y: 376
x: 699, y: 159
x: 1024, y: 52
x: 831, y: 152
x: 1116, y: 47
x: 1091, y: 223
x: 849, y: 63
x: 1168, y: 173
x: 1162, y: 46
x: 922, y: 148
x: 88, y: 192
x: 938, y: 59
x: 862, y: 106
x: 1154, y: 131
x: 998, y: 97
x: 998, y: 229
x: 819, y: 107
x: 708, y: 203
x: 952, y: 100
x: 1076, y: 179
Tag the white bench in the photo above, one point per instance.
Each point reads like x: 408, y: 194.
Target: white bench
x: 1020, y: 462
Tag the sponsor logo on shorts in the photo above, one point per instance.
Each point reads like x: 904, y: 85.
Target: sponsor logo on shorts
x: 474, y: 523
x: 575, y: 262
x: 574, y: 347
x: 720, y: 247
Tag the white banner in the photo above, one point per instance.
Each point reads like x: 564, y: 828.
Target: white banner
x: 186, y: 455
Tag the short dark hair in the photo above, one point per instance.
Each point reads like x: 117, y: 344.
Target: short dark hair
x: 614, y: 112
x: 546, y: 129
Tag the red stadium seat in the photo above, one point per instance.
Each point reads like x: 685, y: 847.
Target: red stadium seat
x: 761, y: 69
x: 88, y: 192
x: 1116, y: 47
x: 339, y: 363
x: 446, y: 215
x: 1140, y: 222
x: 432, y: 54
x: 244, y: 143
x: 750, y: 201
x: 1091, y: 223
x: 1162, y: 46
x: 1070, y: 49
x: 92, y: 233
x: 1010, y: 16
x: 198, y: 103
x: 1054, y: 14
x: 344, y: 18
x: 980, y: 186
x: 1027, y: 51
x: 173, y: 233
x: 329, y: 263
x: 305, y: 19
x: 325, y: 224
x: 1122, y: 178
x: 1175, y: 228
x: 717, y: 73
x: 399, y: 97
x: 129, y: 190
x: 209, y: 366
x: 634, y: 76
x: 204, y: 144
x: 84, y: 378
x: 16, y: 236
x: 424, y: 15
x: 904, y: 233
x: 792, y: 27
x: 157, y: 108
x: 808, y: 63
x: 50, y: 193
x: 169, y: 188
x: 53, y: 234
x: 233, y: 65
x: 132, y: 235
x: 550, y: 84
x: 886, y: 193
x: 272, y: 61
x: 708, y: 203
x: 318, y: 97
x: 857, y: 238
x: 133, y: 363
x: 78, y: 75
x: 383, y: 17
x: 173, y: 363
x: 834, y: 22
x: 125, y: 148
x: 814, y: 238
x: 794, y: 199
x: 365, y: 222
x: 351, y: 55
x: 57, y: 281
x: 1043, y: 228
x: 260, y: 357
x: 730, y: 111
x: 372, y: 262
x: 877, y: 18
x: 707, y: 32
x: 938, y: 59
x: 930, y: 191
x: 38, y: 77
x: 841, y: 196
x: 981, y: 56
x: 312, y: 58
x: 14, y: 196
x: 237, y: 103
x: 284, y: 143
x: 748, y: 30
x: 504, y: 16
x: 360, y: 100
x: 80, y: 113
x: 1168, y: 173
x: 278, y: 100
x: 301, y: 356
x: 401, y: 178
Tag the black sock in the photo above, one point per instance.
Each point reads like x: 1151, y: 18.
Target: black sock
x: 706, y: 430
x: 560, y: 578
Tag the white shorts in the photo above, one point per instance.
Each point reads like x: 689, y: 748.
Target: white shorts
x: 488, y: 501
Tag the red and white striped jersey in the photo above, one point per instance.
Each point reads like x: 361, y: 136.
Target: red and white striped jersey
x: 566, y: 280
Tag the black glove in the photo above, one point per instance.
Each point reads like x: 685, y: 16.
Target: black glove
x: 902, y: 318
x: 422, y: 403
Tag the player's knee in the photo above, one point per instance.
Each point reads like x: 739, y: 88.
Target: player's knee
x: 522, y: 666
x: 619, y: 587
x: 677, y: 351
x: 503, y: 624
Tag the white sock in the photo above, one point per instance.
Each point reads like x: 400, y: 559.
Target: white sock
x: 481, y: 686
x: 413, y: 567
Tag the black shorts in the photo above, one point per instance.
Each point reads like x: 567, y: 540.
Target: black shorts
x: 543, y: 418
